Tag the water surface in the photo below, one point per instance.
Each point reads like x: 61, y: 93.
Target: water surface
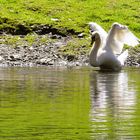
x: 69, y: 104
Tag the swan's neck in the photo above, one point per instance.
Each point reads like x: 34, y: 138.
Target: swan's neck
x: 93, y: 53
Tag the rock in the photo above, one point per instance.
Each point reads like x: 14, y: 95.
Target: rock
x: 81, y: 35
x: 31, y: 48
x: 56, y: 36
x: 71, y: 57
x: 62, y: 63
x: 17, y: 48
x: 45, y: 61
x: 1, y: 59
x: 54, y: 19
x: 59, y: 44
x: 15, y: 57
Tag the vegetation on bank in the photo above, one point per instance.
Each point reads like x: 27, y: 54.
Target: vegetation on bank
x: 64, y: 17
x: 70, y: 15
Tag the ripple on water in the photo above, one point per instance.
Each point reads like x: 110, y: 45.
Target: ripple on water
x: 62, y: 103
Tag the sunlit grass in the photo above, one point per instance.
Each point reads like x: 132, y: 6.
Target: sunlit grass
x: 28, y: 40
x: 71, y: 14
x: 76, y: 46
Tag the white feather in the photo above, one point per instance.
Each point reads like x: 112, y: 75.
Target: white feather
x: 130, y: 39
x: 118, y: 36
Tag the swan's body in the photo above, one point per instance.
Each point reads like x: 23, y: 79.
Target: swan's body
x: 106, y: 52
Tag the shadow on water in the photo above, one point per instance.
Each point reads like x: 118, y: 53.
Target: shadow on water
x: 112, y: 104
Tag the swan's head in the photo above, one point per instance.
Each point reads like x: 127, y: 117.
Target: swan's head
x: 93, y: 26
x: 119, y: 26
x: 95, y: 36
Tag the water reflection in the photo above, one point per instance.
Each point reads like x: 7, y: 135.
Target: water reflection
x: 44, y: 103
x: 75, y: 103
x: 113, y: 101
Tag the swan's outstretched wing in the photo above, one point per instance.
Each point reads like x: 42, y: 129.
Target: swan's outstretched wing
x: 122, y: 57
x: 130, y: 39
x: 118, y: 36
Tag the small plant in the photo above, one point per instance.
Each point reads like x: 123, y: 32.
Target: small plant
x: 10, y: 40
x: 76, y: 46
x: 31, y: 39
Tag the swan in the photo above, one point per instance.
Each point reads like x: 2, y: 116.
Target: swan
x: 106, y: 53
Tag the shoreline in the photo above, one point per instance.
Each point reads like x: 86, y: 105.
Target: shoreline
x: 43, y: 50
x: 50, y: 50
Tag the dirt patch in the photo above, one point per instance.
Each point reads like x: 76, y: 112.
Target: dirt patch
x: 16, y: 53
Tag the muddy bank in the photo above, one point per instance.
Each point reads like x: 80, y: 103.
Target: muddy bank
x: 134, y: 57
x: 50, y: 49
x: 44, y: 50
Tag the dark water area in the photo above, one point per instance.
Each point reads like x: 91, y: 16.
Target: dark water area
x: 47, y: 103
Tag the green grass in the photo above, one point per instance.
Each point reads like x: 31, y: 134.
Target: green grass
x: 28, y: 40
x: 71, y: 14
x: 76, y: 47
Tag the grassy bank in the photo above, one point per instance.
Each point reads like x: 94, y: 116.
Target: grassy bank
x: 68, y: 15
x: 64, y: 17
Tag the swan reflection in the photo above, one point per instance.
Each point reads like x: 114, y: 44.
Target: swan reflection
x: 112, y: 100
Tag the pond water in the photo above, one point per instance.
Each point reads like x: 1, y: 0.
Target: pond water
x: 69, y: 104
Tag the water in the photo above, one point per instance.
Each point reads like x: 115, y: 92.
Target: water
x: 69, y: 104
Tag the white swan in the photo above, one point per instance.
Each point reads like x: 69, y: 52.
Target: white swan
x: 108, y: 55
